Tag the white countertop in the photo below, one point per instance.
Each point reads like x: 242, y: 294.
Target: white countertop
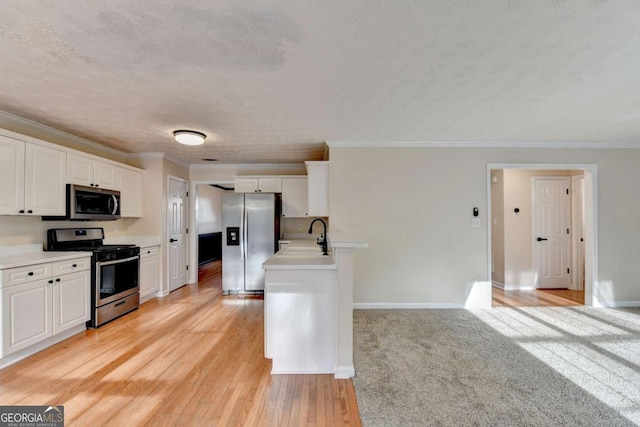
x: 23, y: 255
x: 142, y: 241
x: 340, y: 240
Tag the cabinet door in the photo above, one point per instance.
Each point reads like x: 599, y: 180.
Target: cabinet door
x: 129, y: 183
x: 104, y: 175
x: 45, y: 176
x: 148, y: 272
x: 317, y: 188
x: 71, y: 300
x: 26, y: 315
x: 11, y: 176
x: 79, y: 170
x: 246, y: 185
x: 294, y: 197
x: 270, y: 185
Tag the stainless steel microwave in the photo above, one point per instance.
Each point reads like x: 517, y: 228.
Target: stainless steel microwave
x: 90, y: 204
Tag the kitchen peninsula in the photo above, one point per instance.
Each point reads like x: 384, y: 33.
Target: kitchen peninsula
x: 308, y: 308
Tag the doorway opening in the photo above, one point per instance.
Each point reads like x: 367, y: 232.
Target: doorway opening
x: 206, y: 222
x: 542, y: 234
x: 207, y: 226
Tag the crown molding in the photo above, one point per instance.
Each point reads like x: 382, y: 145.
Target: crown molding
x: 248, y: 166
x: 36, y: 126
x: 146, y: 155
x: 481, y: 144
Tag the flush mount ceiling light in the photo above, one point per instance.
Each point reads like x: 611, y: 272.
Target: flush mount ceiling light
x: 189, y: 137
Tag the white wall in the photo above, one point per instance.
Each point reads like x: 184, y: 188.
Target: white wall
x: 208, y: 209
x: 413, y: 206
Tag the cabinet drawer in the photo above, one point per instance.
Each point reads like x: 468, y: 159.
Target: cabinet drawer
x: 148, y: 252
x: 18, y: 275
x: 71, y: 266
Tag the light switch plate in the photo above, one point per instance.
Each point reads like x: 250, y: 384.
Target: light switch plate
x: 475, y: 222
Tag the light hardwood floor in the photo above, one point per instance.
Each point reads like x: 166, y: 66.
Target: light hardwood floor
x: 537, y: 298
x: 191, y: 358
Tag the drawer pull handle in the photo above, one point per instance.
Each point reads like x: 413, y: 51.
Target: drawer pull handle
x: 30, y: 273
x: 21, y: 211
x: 29, y: 211
x: 57, y: 280
x: 148, y: 252
x: 50, y: 281
x: 74, y: 265
x: 120, y: 303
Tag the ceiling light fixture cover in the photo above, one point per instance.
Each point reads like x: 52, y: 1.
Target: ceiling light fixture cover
x: 189, y: 137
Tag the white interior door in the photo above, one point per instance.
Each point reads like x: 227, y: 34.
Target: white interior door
x: 177, y: 232
x: 551, y: 232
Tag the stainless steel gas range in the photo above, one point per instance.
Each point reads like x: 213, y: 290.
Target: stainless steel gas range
x: 115, y: 271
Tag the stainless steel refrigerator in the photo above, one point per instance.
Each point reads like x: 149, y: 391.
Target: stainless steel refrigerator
x: 251, y: 230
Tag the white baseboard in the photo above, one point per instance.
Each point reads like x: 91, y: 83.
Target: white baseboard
x: 33, y: 349
x: 403, y: 305
x: 621, y: 304
x: 518, y: 288
x: 497, y: 284
x: 161, y: 294
x: 344, y: 372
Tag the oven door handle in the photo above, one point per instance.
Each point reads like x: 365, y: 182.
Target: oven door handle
x: 118, y: 261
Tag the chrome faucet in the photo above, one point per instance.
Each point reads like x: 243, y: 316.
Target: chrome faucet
x: 322, y: 242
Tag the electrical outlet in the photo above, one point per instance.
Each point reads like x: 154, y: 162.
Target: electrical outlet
x: 115, y: 228
x: 299, y: 227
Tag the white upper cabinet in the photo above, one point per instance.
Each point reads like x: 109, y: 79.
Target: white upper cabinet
x: 32, y: 179
x: 245, y: 185
x: 44, y: 183
x: 11, y: 176
x: 294, y: 197
x: 258, y: 185
x: 90, y: 173
x: 317, y: 188
x: 270, y: 185
x: 129, y: 183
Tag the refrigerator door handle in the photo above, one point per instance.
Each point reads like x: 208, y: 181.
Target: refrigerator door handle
x: 243, y: 239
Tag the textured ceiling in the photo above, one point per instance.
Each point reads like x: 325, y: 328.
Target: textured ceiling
x: 269, y: 81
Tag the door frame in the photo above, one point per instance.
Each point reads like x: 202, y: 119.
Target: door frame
x: 577, y: 261
x: 590, y: 226
x: 187, y: 224
x: 534, y: 197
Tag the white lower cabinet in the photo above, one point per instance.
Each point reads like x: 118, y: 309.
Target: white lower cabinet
x: 36, y: 308
x: 71, y: 300
x: 26, y: 315
x: 149, y: 273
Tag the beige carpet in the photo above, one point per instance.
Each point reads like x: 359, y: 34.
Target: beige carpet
x: 560, y: 366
